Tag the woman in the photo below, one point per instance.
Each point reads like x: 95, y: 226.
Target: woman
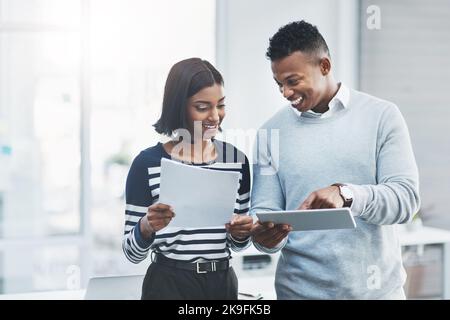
x: 187, y: 263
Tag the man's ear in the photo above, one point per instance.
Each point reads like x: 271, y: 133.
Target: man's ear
x: 325, y: 65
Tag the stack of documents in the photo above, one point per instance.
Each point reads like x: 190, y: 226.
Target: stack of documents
x: 199, y: 197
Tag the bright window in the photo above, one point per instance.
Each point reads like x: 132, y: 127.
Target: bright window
x: 128, y: 51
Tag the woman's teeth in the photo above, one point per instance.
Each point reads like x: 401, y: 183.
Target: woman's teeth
x: 297, y: 101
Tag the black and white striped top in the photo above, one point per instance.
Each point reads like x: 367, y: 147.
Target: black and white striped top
x: 190, y: 244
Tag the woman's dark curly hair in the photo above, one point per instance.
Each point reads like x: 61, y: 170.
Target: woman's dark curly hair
x: 296, y: 36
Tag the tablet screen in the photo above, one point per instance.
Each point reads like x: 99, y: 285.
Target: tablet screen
x: 314, y: 219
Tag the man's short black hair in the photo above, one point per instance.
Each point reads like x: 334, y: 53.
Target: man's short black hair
x: 296, y: 36
x: 185, y: 79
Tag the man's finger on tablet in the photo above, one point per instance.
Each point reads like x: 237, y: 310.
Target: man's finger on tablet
x: 308, y: 202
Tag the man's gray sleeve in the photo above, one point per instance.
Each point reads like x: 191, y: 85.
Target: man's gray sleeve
x: 267, y: 194
x: 395, y: 197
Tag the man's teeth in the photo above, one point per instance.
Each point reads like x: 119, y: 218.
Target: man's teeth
x: 210, y: 126
x: 297, y: 101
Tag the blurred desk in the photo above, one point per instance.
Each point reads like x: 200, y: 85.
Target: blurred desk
x: 260, y: 279
x: 256, y: 272
x: 256, y: 275
x: 425, y: 236
x: 46, y: 295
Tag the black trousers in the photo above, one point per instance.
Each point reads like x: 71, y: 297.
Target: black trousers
x: 168, y: 283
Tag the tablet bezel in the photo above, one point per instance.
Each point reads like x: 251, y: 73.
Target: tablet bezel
x: 312, y: 219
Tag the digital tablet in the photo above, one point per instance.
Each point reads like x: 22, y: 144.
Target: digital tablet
x: 314, y: 219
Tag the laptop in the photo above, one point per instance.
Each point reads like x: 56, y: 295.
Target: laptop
x: 115, y: 288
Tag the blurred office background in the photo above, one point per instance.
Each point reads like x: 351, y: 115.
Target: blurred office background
x: 81, y: 83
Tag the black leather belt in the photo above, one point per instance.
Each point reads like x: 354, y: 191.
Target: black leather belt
x: 199, y: 267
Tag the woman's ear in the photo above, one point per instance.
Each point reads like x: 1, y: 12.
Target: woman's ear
x: 325, y: 65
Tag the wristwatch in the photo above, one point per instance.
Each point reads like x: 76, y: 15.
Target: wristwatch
x: 346, y: 194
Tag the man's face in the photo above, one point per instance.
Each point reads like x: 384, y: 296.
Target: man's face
x: 301, y: 80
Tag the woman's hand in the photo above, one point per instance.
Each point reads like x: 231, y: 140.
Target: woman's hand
x: 158, y: 217
x: 240, y: 226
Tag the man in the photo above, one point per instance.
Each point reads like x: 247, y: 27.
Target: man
x: 337, y: 148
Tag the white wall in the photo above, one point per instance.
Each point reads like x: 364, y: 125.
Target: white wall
x: 407, y: 61
x: 243, y: 32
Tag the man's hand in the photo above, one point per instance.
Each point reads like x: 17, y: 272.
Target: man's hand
x: 158, y: 217
x: 268, y: 234
x: 328, y: 197
x: 240, y: 227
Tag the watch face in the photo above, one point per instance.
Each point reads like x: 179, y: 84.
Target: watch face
x: 346, y: 192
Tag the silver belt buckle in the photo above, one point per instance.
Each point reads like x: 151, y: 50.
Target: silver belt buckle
x: 198, y: 268
x: 213, y: 267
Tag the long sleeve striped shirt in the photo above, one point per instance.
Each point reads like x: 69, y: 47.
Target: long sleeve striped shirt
x: 187, y: 244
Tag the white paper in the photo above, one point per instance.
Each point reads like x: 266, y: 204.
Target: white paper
x: 199, y: 197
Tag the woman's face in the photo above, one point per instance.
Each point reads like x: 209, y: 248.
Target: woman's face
x: 205, y: 112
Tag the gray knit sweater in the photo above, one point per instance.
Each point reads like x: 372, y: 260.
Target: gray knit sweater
x: 367, y: 146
